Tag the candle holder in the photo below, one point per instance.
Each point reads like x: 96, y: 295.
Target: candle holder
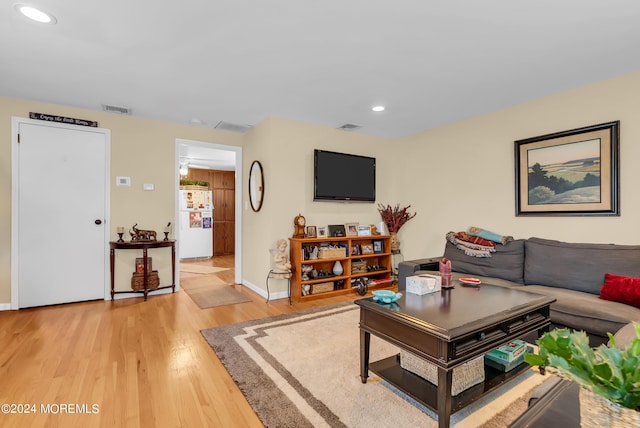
x: 166, y: 236
x: 120, y: 232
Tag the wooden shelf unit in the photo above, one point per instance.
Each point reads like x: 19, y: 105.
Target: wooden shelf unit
x: 297, y: 256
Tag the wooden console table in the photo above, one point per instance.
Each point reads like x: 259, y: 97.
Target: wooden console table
x: 144, y: 246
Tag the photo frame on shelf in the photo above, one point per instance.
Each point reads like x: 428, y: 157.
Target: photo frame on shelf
x: 378, y: 246
x: 355, y: 249
x: 311, y: 232
x: 351, y: 229
x: 569, y: 173
x: 336, y: 230
x: 364, y: 230
x: 367, y: 248
x: 322, y: 231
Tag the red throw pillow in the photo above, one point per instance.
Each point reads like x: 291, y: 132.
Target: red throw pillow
x: 622, y: 289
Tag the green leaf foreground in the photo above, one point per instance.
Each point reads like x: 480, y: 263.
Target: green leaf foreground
x: 608, y: 371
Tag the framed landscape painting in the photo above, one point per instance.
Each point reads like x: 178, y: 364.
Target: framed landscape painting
x: 569, y: 173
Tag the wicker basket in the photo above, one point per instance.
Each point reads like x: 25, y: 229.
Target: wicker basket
x: 331, y: 253
x: 358, y: 266
x: 137, y: 281
x: 464, y: 376
x: 597, y: 411
x: 321, y: 287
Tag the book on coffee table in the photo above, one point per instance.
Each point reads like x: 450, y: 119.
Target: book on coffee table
x: 509, y: 352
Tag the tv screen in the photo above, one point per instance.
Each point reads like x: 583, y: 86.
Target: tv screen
x: 343, y: 177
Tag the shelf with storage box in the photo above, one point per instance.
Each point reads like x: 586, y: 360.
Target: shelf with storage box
x: 313, y: 260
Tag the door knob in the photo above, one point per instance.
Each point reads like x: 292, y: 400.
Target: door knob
x: 98, y: 221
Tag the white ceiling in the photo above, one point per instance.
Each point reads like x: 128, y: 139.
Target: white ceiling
x: 324, y: 62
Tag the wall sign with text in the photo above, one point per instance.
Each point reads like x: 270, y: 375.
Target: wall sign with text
x: 62, y: 119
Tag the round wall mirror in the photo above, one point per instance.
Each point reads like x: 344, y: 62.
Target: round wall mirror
x: 256, y: 186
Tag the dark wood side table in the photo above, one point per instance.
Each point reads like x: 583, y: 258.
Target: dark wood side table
x: 558, y: 407
x: 144, y: 246
x: 448, y: 329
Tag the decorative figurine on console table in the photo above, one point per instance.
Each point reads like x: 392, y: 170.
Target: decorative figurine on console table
x: 141, y: 234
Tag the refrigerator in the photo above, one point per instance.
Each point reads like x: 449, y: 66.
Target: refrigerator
x: 195, y: 222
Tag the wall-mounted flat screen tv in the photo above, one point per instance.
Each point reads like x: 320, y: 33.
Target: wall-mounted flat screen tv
x: 343, y: 177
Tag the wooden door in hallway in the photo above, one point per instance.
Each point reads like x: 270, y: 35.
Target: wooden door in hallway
x: 60, y: 213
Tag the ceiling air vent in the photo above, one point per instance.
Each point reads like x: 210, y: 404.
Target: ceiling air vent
x: 116, y: 109
x: 349, y: 127
x: 233, y: 127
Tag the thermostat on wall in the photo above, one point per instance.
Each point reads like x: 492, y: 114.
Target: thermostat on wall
x: 123, y: 181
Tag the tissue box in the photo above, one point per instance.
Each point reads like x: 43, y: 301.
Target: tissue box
x: 423, y: 284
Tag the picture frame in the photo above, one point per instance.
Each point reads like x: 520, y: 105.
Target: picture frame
x: 378, y: 246
x: 311, y: 232
x: 336, y: 230
x: 351, y: 229
x: 569, y: 173
x: 355, y: 250
x: 322, y: 231
x: 366, y: 248
x: 140, y: 264
x: 364, y: 230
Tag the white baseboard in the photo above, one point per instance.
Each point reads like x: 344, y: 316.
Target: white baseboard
x: 254, y: 288
x: 263, y: 292
x: 5, y: 306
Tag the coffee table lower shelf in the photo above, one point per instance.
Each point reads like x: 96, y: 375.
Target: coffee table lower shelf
x: 426, y: 393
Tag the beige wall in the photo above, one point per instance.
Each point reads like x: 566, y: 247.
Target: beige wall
x: 285, y: 149
x: 454, y: 176
x: 463, y: 174
x: 141, y: 149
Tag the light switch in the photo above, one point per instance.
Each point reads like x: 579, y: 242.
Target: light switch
x: 147, y: 186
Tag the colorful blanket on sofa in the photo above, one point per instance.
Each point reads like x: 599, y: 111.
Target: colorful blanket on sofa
x: 477, y: 248
x: 487, y: 234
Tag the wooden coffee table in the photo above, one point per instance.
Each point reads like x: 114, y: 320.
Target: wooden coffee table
x: 449, y: 328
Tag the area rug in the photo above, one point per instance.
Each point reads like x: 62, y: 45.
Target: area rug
x: 302, y: 370
x: 193, y: 268
x: 211, y: 291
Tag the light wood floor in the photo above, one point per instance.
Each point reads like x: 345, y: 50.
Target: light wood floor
x: 143, y: 364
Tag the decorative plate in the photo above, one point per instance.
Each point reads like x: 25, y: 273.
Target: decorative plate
x: 470, y: 281
x: 386, y: 296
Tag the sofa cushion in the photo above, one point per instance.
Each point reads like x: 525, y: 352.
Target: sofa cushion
x: 577, y: 266
x: 584, y: 311
x: 506, y: 263
x: 622, y: 289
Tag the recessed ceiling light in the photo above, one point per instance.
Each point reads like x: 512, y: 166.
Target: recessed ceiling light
x: 36, y: 14
x: 377, y: 108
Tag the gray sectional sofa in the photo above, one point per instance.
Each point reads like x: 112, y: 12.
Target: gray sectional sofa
x: 573, y: 273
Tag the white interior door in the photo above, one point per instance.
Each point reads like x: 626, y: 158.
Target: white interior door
x: 62, y: 212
